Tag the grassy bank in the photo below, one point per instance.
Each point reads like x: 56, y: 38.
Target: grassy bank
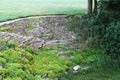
x: 10, y: 9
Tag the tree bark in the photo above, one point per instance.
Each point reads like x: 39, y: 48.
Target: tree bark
x: 90, y: 7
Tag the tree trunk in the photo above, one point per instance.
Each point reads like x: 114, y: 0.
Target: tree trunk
x: 95, y: 6
x: 90, y: 7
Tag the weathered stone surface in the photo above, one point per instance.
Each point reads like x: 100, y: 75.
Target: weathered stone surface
x: 46, y: 31
x: 23, y: 40
x: 56, y: 78
x: 76, y: 68
x: 1, y: 66
x: 47, y: 27
x: 0, y: 77
x: 61, y: 53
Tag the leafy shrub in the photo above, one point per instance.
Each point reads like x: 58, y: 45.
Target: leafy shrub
x: 47, y: 63
x: 11, y: 55
x: 101, y: 30
x: 111, y: 41
x: 24, y: 64
x: 6, y: 44
x: 30, y: 49
x: 12, y: 43
x: 93, y: 57
x: 88, y: 55
x: 13, y: 78
x: 2, y: 60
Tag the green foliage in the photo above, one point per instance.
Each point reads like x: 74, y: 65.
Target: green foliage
x: 29, y: 26
x: 28, y: 64
x: 13, y: 78
x: 101, y: 30
x: 30, y: 49
x: 35, y: 20
x: 6, y: 29
x: 2, y: 60
x: 101, y: 66
x: 93, y: 57
x: 111, y: 41
x: 8, y: 44
x: 3, y: 42
x: 14, y: 62
x: 60, y: 47
x: 87, y: 56
x: 12, y: 43
x: 110, y: 31
x: 11, y: 55
x: 48, y: 63
x: 14, y: 71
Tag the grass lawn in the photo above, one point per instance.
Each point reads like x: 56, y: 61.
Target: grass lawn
x: 10, y: 9
x: 99, y: 74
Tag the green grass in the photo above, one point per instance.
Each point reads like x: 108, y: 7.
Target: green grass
x: 99, y: 74
x: 10, y: 9
x: 101, y: 66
